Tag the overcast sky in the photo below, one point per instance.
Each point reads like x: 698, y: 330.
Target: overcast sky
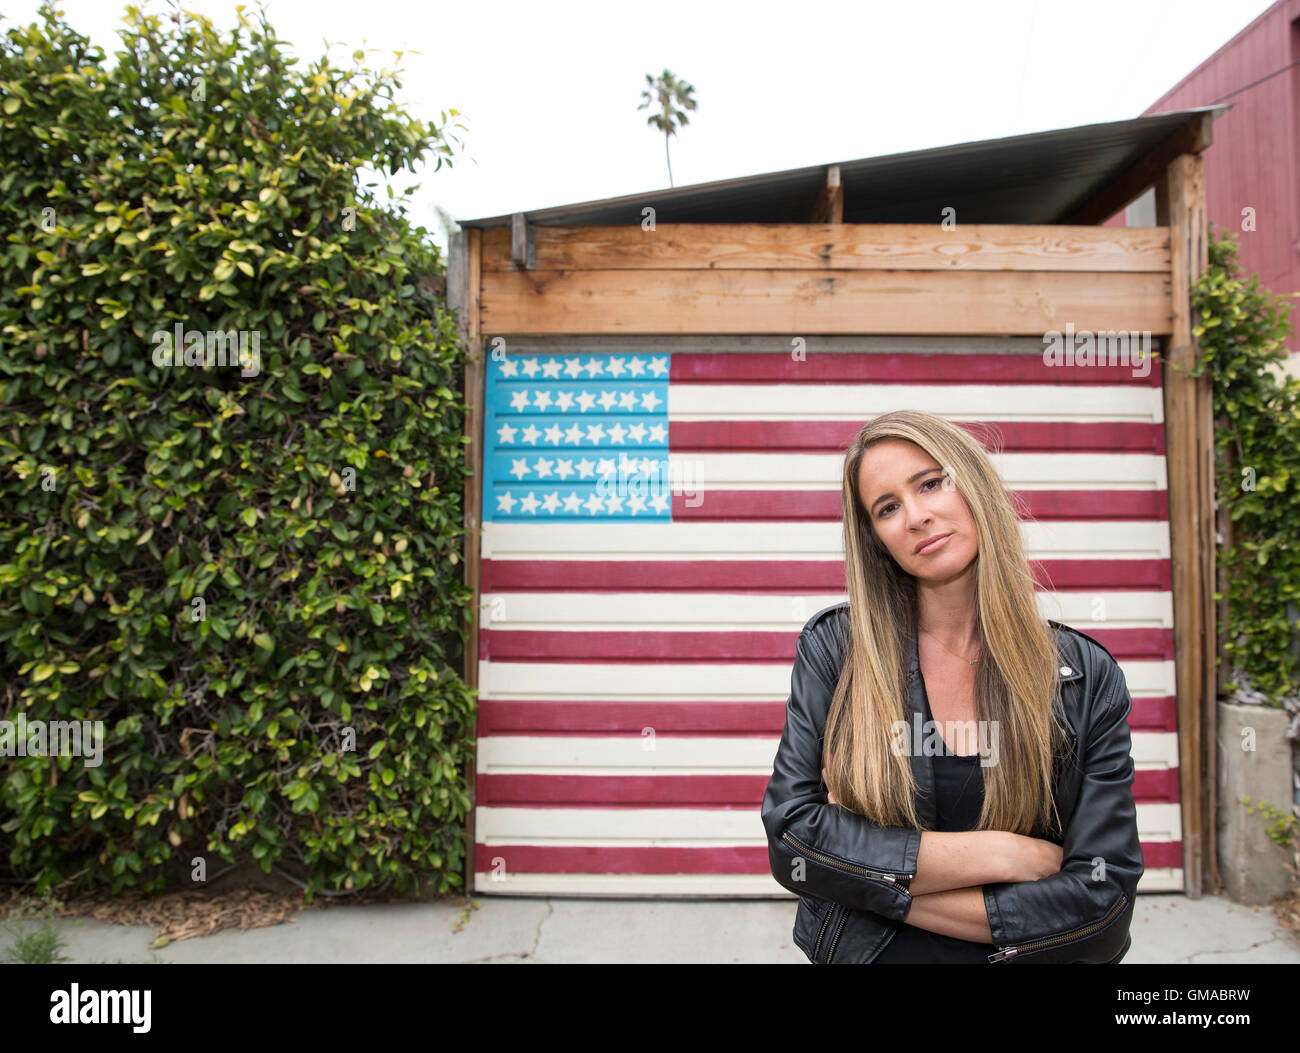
x: 549, y: 90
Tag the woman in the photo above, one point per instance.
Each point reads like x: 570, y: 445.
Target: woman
x: 953, y: 783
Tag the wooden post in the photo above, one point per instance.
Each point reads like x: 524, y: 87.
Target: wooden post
x: 1189, y: 443
x: 463, y: 289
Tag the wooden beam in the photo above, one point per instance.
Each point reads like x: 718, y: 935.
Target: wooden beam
x: 468, y: 293
x: 844, y: 246
x: 830, y: 201
x: 1193, y: 138
x: 973, y: 303
x: 521, y: 242
x: 1189, y: 444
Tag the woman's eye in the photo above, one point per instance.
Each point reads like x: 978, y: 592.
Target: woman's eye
x: 929, y: 481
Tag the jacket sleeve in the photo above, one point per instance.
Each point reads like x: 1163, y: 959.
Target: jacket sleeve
x: 820, y: 849
x: 1083, y: 910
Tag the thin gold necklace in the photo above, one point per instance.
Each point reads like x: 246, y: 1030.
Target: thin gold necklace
x: 968, y: 661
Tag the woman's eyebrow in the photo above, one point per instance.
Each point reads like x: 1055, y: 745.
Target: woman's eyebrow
x: 910, y: 479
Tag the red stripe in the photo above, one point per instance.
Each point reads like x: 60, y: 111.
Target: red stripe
x: 822, y: 436
x: 632, y: 859
x: 694, y: 791
x: 761, y: 575
x: 731, y: 646
x: 523, y: 717
x: 827, y: 505
x: 901, y: 368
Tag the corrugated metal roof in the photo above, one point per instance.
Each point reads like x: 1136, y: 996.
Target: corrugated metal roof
x: 1038, y: 178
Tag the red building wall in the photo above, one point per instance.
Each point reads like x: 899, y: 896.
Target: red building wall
x: 1255, y: 160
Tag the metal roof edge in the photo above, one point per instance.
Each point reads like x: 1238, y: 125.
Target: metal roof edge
x: 950, y: 151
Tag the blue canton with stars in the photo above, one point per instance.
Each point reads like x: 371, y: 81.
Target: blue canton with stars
x: 576, y: 436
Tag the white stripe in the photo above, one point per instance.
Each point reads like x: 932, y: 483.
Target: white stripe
x: 628, y: 755
x: 775, y: 541
x: 964, y: 402
x: 686, y: 886
x: 773, y: 612
x: 809, y: 471
x: 719, y: 682
x: 681, y: 827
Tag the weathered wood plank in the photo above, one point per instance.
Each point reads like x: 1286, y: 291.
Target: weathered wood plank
x: 974, y: 303
x: 837, y: 246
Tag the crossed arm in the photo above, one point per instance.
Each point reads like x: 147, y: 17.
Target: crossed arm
x: 952, y: 867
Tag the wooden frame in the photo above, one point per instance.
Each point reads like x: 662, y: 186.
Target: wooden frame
x: 830, y: 278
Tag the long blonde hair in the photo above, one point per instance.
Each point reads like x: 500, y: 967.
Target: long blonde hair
x: 1017, y: 683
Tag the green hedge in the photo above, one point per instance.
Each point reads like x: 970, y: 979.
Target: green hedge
x: 236, y: 567
x: 1242, y: 332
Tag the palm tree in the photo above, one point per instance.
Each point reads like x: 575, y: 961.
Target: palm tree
x: 670, y: 94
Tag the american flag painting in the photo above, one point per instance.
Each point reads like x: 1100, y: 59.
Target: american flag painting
x: 658, y: 525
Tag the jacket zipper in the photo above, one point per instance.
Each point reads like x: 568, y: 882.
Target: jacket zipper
x: 898, y: 880
x: 1007, y: 953
x: 825, y: 922
x: 844, y: 917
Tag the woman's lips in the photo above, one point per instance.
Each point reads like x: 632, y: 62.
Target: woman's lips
x: 934, y: 546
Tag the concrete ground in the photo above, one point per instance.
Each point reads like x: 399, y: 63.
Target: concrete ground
x: 1166, y: 929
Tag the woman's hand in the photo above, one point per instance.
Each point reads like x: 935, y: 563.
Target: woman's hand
x: 1032, y: 858
x: 830, y: 797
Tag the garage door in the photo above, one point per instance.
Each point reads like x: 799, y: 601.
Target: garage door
x: 661, y: 518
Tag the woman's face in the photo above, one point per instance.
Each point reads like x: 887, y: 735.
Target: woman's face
x: 910, y: 501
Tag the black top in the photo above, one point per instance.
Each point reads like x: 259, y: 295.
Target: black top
x: 959, y: 795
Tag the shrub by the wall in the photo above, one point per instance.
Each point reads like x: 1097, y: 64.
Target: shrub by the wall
x: 248, y: 571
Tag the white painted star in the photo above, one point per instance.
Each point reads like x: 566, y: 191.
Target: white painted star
x: 563, y: 401
x: 659, y: 366
x: 585, y: 468
x: 573, y: 367
x: 530, y: 368
x: 616, y: 367
x: 657, y: 433
x: 636, y: 367
x: 594, y: 366
x: 519, y: 401
x: 660, y: 502
x: 543, y: 467
x: 505, y: 502
x: 586, y: 400
x: 616, y: 434
x: 530, y: 435
x: 506, y: 434
x: 607, y: 399
x: 650, y: 400
x: 574, y: 434
x: 636, y: 433
x: 572, y: 503
x: 551, y: 369
x: 628, y: 400
x: 529, y: 504
x: 636, y: 503
x: 542, y: 399
x: 564, y: 467
x: 519, y: 467
x: 553, y: 434
x: 510, y: 368
x: 552, y: 502
x: 595, y: 432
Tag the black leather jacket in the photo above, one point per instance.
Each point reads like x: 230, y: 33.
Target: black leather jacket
x: 853, y: 892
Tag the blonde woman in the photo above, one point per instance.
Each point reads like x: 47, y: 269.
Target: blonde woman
x: 954, y: 782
